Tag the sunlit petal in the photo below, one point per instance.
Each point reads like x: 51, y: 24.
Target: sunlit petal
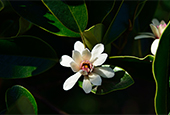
x: 100, y: 60
x: 95, y: 79
x: 155, y: 30
x: 77, y: 57
x: 105, y: 72
x: 79, y: 46
x: 96, y: 51
x: 87, y: 86
x: 71, y: 81
x: 154, y: 46
x: 66, y: 60
x: 144, y: 36
x: 86, y: 54
x: 74, y: 66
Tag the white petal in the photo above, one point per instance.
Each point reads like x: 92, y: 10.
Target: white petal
x: 86, y: 54
x: 87, y: 86
x: 105, y: 72
x: 96, y: 51
x: 74, y: 66
x: 155, y: 30
x: 79, y: 46
x: 66, y: 60
x: 155, y: 22
x: 144, y: 36
x: 71, y: 81
x: 163, y: 22
x: 100, y: 60
x: 154, y: 46
x: 77, y: 57
x: 147, y: 33
x: 95, y: 79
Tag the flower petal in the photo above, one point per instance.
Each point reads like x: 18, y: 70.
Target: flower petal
x: 96, y: 51
x: 87, y: 86
x: 155, y: 30
x: 77, y: 57
x: 105, y: 72
x: 144, y: 36
x: 100, y: 60
x: 95, y: 79
x: 155, y: 22
x: 74, y: 66
x: 66, y: 60
x: 71, y: 81
x: 86, y: 54
x: 79, y: 46
x: 154, y: 46
x: 163, y: 23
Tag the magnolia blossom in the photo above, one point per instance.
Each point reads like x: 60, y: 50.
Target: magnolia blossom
x: 157, y: 29
x: 84, y: 62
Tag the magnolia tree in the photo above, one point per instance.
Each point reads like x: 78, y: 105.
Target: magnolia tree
x: 84, y: 57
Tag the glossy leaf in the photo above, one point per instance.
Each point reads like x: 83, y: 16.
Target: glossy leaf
x: 94, y: 35
x: 161, y: 72
x: 72, y: 14
x: 120, y: 81
x: 39, y: 14
x: 20, y: 101
x: 136, y: 67
x: 25, y: 56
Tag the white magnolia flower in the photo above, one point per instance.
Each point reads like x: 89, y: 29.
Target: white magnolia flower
x: 157, y: 29
x: 84, y: 62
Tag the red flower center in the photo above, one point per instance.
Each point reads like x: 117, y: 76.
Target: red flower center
x: 86, y: 66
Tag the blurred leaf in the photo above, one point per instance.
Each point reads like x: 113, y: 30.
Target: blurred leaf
x: 37, y: 13
x: 98, y: 10
x: 94, y: 35
x: 24, y: 26
x: 161, y: 73
x: 134, y: 65
x: 71, y: 14
x: 120, y: 81
x: 20, y: 101
x: 120, y: 23
x: 1, y: 5
x: 147, y: 13
x: 25, y: 56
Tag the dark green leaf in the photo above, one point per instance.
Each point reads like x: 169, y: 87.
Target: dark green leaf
x: 120, y: 81
x: 25, y: 56
x: 1, y: 5
x: 134, y: 65
x: 20, y: 101
x: 24, y: 26
x: 161, y: 73
x: 37, y: 13
x: 72, y: 14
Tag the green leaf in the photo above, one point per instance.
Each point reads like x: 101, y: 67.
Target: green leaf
x: 161, y: 73
x: 134, y: 65
x: 120, y: 81
x: 1, y: 5
x: 37, y: 13
x: 72, y: 14
x: 25, y: 56
x: 94, y: 35
x: 20, y: 101
x: 24, y: 26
